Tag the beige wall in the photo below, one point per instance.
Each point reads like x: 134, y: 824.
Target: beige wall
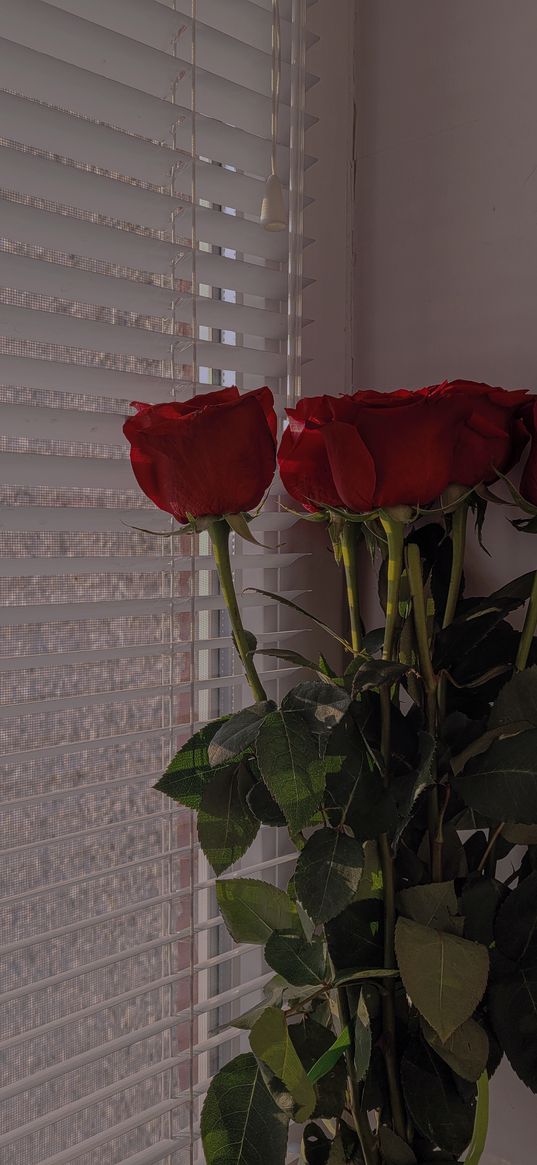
x: 446, y: 249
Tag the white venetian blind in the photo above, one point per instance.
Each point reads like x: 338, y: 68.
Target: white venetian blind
x: 135, y: 137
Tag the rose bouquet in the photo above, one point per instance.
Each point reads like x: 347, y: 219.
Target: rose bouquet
x: 404, y: 949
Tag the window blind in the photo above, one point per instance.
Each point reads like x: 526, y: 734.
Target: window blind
x: 135, y: 141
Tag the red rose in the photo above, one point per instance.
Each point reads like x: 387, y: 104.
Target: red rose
x: 528, y: 485
x: 370, y: 450
x: 212, y: 455
x: 493, y: 435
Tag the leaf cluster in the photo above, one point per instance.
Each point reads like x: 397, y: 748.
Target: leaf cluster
x: 463, y: 983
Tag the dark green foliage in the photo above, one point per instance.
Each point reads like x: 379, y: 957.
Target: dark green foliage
x: 322, y: 705
x: 328, y: 872
x: 502, y: 782
x: 355, y: 793
x: 355, y: 937
x: 310, y: 1040
x: 263, y: 805
x: 294, y: 958
x: 190, y: 770
x: 288, y: 758
x: 480, y: 899
x: 513, y: 997
x: 457, y: 987
x: 240, y: 1123
x: 441, y: 1104
x: 226, y: 824
x: 238, y: 734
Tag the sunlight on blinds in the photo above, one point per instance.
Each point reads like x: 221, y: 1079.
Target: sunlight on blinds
x: 135, y: 143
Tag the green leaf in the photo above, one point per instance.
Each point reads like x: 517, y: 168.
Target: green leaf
x: 374, y: 673
x: 502, y: 782
x: 226, y: 826
x: 410, y: 787
x: 238, y: 733
x: 355, y: 792
x: 434, y: 904
x: 248, y: 1018
x: 525, y: 525
x: 288, y: 757
x: 239, y: 524
x: 273, y: 995
x: 240, y: 1123
x: 466, y: 1051
x: 478, y: 621
x: 358, y: 975
x: 321, y: 703
x: 327, y: 873
x: 294, y: 607
x: 294, y: 958
x: 445, y: 976
x: 311, y: 1041
x: 362, y: 1038
x: 516, y: 704
x: 293, y: 657
x: 252, y: 909
x: 190, y: 770
x: 371, y: 883
x: 441, y: 1106
x: 513, y: 1010
x: 263, y: 805
x: 480, y: 900
x: 520, y: 834
x: 355, y: 937
x: 270, y: 1042
x: 337, y: 1154
x: 315, y: 1146
x: 325, y: 669
x: 515, y: 929
x: 326, y: 1062
x: 395, y: 1151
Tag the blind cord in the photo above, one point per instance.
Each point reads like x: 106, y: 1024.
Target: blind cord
x: 273, y: 213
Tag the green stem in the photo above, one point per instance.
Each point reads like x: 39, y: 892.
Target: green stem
x: 458, y: 540
x: 481, y: 1123
x: 419, y: 610
x: 219, y: 532
x: 370, y: 1150
x: 528, y: 630
x: 349, y: 547
x: 395, y: 534
x: 488, y: 861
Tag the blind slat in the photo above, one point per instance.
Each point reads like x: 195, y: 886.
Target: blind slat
x: 28, y: 567
x: 89, y: 700
x: 33, y: 613
x: 134, y: 1122
x: 144, y: 650
x: 128, y: 295
x: 77, y: 518
x: 55, y: 131
x: 39, y: 25
x: 40, y: 76
x: 34, y: 325
x: 40, y: 178
x: 61, y: 232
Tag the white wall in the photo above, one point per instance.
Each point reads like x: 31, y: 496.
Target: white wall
x: 446, y: 249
